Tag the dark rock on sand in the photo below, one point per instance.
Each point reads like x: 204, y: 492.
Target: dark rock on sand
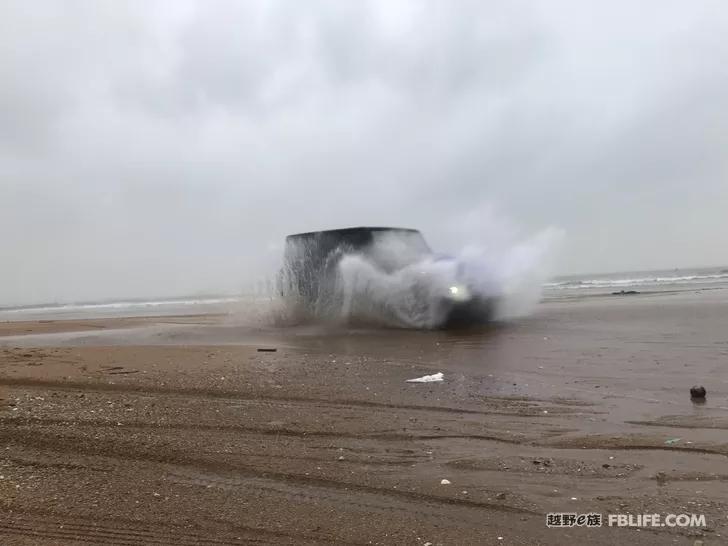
x: 697, y: 392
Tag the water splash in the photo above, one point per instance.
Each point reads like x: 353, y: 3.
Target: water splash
x: 389, y: 285
x: 412, y: 296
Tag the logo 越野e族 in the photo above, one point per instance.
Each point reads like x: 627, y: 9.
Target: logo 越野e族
x: 572, y: 519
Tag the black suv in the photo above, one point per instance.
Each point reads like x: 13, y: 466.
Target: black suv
x: 309, y: 278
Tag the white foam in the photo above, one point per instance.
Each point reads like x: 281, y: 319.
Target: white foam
x: 435, y: 377
x: 120, y: 308
x: 635, y: 281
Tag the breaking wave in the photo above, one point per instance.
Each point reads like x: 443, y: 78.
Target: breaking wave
x: 637, y: 281
x: 121, y: 308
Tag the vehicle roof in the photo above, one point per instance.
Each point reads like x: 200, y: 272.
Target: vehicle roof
x: 351, y: 231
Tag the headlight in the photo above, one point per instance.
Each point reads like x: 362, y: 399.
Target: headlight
x: 459, y: 292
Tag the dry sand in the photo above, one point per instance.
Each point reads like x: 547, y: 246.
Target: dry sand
x: 178, y: 430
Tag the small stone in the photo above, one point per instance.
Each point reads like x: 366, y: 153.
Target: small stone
x: 500, y: 496
x: 444, y: 482
x: 697, y: 392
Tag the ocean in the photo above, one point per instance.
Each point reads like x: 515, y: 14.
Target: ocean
x: 672, y: 280
x: 119, y: 308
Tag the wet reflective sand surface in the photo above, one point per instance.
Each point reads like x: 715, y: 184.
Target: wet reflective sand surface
x: 179, y: 429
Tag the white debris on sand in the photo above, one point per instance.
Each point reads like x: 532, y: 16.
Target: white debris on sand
x: 444, y: 482
x: 427, y: 378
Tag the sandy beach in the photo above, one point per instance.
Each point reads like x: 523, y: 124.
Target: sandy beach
x: 180, y: 430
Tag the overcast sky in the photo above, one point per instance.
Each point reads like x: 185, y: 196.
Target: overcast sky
x: 159, y: 148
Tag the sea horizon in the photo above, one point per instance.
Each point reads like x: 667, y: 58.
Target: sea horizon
x: 655, y: 280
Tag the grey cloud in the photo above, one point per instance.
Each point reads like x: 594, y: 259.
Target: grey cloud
x: 159, y: 148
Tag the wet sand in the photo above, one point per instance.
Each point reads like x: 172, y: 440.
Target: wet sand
x: 178, y: 430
